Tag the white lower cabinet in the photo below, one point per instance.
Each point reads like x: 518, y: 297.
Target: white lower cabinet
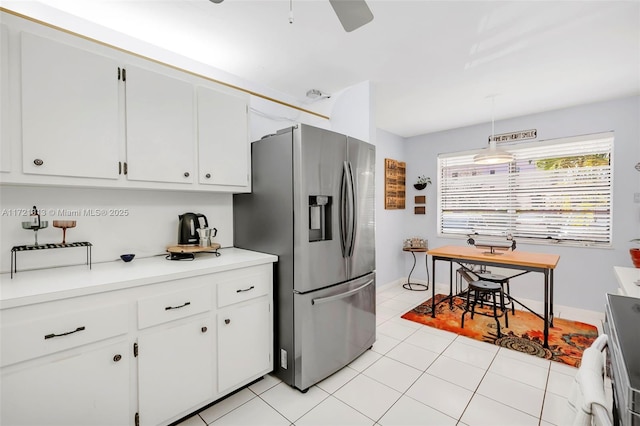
x: 150, y: 354
x: 175, y: 370
x: 244, y: 340
x: 85, y: 387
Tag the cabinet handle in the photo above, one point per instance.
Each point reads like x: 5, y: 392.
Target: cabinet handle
x: 186, y: 174
x: 38, y: 162
x: 246, y: 289
x: 168, y: 308
x: 51, y: 336
x: 117, y: 357
x: 203, y: 329
x: 227, y: 321
x: 208, y: 175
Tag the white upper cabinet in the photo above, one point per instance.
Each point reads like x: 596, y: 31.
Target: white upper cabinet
x: 81, y: 114
x: 69, y: 110
x: 223, y: 139
x: 160, y: 127
x: 5, y: 142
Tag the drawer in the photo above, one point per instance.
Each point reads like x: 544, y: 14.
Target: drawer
x: 172, y: 306
x: 244, y: 287
x: 50, y: 334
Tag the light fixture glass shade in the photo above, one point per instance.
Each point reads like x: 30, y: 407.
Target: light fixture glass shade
x: 493, y: 155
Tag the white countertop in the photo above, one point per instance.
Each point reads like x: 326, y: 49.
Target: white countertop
x: 629, y: 280
x: 57, y: 283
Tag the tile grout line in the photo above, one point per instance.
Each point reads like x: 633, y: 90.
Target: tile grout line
x: 414, y: 382
x: 478, y: 385
x: 544, y: 398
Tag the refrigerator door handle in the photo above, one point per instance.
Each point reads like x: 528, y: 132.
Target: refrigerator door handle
x: 341, y: 295
x: 344, y: 218
x: 353, y: 214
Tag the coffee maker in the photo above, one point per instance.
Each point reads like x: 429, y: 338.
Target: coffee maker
x: 188, y: 225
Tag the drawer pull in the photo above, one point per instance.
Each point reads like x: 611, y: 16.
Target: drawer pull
x: 203, y: 329
x: 227, y: 321
x: 117, y: 358
x: 51, y: 336
x: 246, y: 289
x: 168, y: 308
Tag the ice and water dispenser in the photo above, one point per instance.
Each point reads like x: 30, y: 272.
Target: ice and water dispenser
x: 319, y: 218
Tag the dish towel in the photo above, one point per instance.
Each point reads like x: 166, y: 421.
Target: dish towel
x: 587, y: 399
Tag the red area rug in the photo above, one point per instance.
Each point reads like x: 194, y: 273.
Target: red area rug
x: 567, y: 339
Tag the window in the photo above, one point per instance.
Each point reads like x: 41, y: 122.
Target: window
x: 557, y: 190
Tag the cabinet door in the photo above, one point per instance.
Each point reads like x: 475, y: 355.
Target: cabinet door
x: 223, y: 141
x: 244, y: 343
x: 5, y: 143
x: 69, y: 110
x: 160, y: 127
x: 175, y: 370
x: 74, y: 388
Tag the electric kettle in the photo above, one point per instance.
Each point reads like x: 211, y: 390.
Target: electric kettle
x: 188, y: 226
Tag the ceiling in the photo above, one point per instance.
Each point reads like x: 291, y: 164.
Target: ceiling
x: 434, y: 65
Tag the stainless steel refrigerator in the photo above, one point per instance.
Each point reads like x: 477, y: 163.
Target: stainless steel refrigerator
x: 312, y: 205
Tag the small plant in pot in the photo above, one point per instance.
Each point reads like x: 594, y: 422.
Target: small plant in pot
x: 422, y: 182
x: 635, y: 253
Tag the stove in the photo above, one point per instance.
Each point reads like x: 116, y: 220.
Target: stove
x: 622, y: 325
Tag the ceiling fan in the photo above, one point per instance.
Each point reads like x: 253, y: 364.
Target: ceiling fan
x: 352, y: 13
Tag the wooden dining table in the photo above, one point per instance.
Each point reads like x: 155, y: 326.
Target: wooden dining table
x: 525, y: 262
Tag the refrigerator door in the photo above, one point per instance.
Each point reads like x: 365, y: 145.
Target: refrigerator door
x: 333, y: 327
x: 362, y: 158
x: 319, y: 158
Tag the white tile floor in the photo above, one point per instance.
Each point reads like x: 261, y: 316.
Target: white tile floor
x: 414, y: 375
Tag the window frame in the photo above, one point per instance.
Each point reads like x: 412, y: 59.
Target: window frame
x: 507, y: 216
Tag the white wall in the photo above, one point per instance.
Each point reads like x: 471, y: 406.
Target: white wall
x: 389, y: 223
x: 583, y: 275
x: 150, y: 224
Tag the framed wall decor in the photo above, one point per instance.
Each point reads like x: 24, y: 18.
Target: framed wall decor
x: 394, y: 184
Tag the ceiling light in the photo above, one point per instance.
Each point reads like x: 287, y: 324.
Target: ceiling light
x: 492, y: 155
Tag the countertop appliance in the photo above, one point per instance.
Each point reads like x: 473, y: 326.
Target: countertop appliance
x: 622, y: 317
x: 312, y: 205
x: 188, y: 225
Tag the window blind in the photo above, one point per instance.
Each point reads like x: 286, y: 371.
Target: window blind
x: 558, y: 190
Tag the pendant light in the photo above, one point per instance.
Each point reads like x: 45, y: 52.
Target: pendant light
x: 492, y: 155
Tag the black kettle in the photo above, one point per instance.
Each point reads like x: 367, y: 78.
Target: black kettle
x: 188, y: 226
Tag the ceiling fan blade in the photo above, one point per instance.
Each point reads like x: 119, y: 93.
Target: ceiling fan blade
x: 352, y: 13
